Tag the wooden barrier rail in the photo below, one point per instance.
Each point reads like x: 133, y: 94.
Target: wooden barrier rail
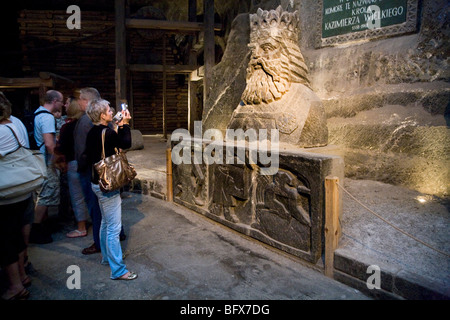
x: 169, y: 174
x: 332, y: 227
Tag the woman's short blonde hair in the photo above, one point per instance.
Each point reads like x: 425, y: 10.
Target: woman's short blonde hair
x: 95, y: 109
x: 5, y: 107
x: 74, y: 110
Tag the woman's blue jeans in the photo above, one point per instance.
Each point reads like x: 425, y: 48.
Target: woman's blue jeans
x: 111, y: 209
x: 79, y: 206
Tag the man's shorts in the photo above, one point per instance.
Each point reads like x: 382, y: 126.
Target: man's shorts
x: 49, y: 193
x: 28, y: 216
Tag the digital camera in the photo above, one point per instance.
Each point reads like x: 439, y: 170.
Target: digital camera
x: 119, y: 116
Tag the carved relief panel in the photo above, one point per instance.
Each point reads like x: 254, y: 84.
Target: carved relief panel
x: 231, y: 190
x: 283, y: 209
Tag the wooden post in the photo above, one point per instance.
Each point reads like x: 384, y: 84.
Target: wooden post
x: 192, y: 10
x: 121, y: 52
x: 131, y: 103
x: 208, y: 50
x: 164, y: 88
x: 192, y: 86
x: 331, y: 223
x: 169, y: 174
x: 42, y: 91
x: 192, y: 94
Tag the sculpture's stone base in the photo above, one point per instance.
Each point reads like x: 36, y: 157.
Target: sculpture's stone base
x: 285, y: 210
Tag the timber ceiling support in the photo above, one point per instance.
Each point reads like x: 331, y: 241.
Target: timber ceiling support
x: 186, y: 27
x: 121, y: 53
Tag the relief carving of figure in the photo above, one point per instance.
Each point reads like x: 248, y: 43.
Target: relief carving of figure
x: 232, y: 190
x: 283, y: 209
x: 278, y: 93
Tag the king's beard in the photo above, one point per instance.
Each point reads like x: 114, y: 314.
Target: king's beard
x: 263, y: 85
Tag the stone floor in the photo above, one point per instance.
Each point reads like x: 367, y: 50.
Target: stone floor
x: 409, y: 269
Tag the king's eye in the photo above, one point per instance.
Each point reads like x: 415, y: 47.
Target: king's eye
x: 267, y: 47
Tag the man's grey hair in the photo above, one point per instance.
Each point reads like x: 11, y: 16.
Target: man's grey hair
x: 90, y: 94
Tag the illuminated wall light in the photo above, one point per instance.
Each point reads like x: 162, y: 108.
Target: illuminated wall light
x: 421, y: 199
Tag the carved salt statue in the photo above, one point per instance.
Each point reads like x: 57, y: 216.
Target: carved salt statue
x: 278, y: 93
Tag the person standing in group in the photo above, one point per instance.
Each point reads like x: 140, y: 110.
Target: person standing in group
x: 12, y: 244
x: 101, y: 115
x: 29, y: 212
x: 64, y: 208
x: 84, y: 124
x: 82, y: 127
x: 60, y: 120
x: 65, y: 148
x: 45, y: 135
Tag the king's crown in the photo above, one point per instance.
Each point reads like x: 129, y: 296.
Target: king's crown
x: 277, y: 23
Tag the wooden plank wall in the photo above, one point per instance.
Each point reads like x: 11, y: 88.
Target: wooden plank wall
x: 148, y: 87
x: 87, y: 56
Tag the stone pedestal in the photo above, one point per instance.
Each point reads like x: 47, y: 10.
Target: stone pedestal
x: 285, y: 209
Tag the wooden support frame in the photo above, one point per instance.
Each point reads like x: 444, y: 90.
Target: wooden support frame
x: 208, y: 27
x: 26, y: 83
x: 170, y: 69
x: 169, y: 174
x: 46, y: 81
x: 164, y: 88
x: 208, y: 52
x: 175, y: 26
x: 121, y: 52
x: 332, y: 227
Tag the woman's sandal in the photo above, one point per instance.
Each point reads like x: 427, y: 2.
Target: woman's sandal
x: 76, y: 234
x: 127, y: 276
x: 22, y: 295
x: 26, y: 282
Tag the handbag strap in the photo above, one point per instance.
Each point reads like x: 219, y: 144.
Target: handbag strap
x: 15, y: 136
x: 103, y: 143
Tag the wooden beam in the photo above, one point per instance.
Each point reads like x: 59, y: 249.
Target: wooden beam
x: 26, y: 82
x: 164, y: 89
x: 192, y: 10
x: 208, y: 51
x: 192, y: 105
x: 169, y: 175
x: 170, y: 69
x: 332, y: 228
x: 180, y: 26
x: 50, y: 75
x: 121, y: 58
x: 192, y: 85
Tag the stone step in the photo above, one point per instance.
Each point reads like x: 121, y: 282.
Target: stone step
x: 395, y: 283
x: 433, y: 97
x: 409, y: 269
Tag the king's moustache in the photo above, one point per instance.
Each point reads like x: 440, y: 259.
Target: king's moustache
x: 267, y: 67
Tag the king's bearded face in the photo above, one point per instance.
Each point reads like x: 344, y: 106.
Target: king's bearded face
x: 267, y: 73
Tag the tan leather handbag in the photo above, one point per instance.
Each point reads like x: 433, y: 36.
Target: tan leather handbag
x: 114, y: 171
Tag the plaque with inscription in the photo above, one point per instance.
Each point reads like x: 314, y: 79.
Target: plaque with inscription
x: 349, y: 20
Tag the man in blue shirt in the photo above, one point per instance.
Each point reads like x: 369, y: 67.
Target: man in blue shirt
x: 45, y: 135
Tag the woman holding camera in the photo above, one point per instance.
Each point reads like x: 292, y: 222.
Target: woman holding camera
x: 101, y: 115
